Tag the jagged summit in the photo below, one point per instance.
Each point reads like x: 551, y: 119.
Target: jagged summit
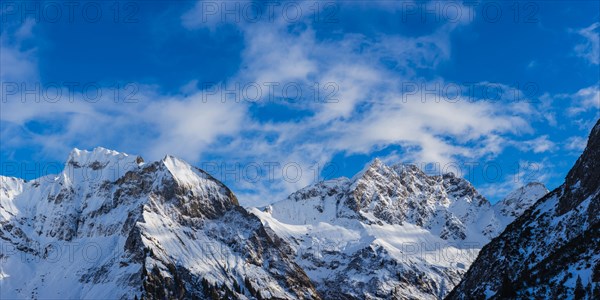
x: 99, y: 157
x: 374, y: 164
x: 99, y: 165
x: 404, y: 193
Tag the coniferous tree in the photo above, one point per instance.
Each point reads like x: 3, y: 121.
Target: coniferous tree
x: 579, y: 290
x: 249, y: 286
x: 214, y: 295
x: 236, y: 287
x: 506, y: 288
x: 442, y: 291
x: 596, y: 291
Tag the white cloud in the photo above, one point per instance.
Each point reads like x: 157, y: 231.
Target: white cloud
x: 154, y: 126
x: 370, y: 114
x: 19, y: 64
x: 188, y: 126
x: 25, y: 31
x: 273, y: 55
x: 429, y: 125
x: 538, y: 145
x: 584, y: 100
x: 571, y: 106
x: 590, y: 48
x: 575, y: 144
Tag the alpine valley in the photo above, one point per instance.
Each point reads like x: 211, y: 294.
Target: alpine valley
x: 112, y: 226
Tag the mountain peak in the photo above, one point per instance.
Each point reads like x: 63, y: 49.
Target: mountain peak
x: 365, y: 223
x: 373, y: 165
x: 183, y: 172
x: 534, y: 184
x: 202, y: 184
x: 100, y: 157
x: 100, y: 164
x: 532, y: 187
x: 519, y: 200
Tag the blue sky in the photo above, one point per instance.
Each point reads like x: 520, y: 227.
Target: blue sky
x: 500, y: 92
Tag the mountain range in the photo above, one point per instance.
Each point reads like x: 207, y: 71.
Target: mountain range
x: 112, y: 226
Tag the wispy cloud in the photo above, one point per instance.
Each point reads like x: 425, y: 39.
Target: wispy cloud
x: 575, y: 144
x: 584, y: 100
x: 538, y: 145
x: 526, y: 172
x: 19, y: 62
x: 590, y: 48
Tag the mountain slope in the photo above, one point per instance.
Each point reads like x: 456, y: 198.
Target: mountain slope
x: 544, y: 252
x: 113, y: 227
x: 391, y: 231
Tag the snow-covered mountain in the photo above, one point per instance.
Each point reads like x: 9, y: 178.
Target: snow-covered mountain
x: 391, y: 231
x: 552, y: 251
x: 113, y: 227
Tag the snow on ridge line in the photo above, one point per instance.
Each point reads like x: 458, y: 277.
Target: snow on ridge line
x: 10, y: 180
x: 99, y: 164
x: 101, y: 155
x: 184, y: 172
x: 398, y: 167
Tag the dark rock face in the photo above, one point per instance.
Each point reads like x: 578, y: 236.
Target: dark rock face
x: 542, y: 253
x: 583, y: 179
